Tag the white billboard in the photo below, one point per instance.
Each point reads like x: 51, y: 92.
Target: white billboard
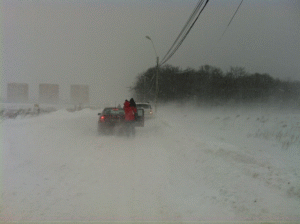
x: 48, y: 93
x: 17, y: 92
x: 80, y: 94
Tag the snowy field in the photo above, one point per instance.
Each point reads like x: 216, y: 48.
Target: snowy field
x: 186, y: 164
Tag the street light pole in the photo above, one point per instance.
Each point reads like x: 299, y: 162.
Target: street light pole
x: 157, y: 73
x: 156, y: 89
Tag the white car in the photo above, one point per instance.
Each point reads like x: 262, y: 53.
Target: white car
x: 148, y: 113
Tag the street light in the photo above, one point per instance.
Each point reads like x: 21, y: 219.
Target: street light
x: 157, y: 71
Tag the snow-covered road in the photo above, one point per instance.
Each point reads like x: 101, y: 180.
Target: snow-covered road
x: 184, y: 165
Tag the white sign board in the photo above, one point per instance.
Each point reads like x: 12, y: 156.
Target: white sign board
x: 79, y: 94
x: 17, y: 92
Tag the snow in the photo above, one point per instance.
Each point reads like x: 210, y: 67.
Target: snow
x: 186, y: 164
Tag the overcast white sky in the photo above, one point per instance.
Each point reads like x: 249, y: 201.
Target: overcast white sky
x: 102, y: 43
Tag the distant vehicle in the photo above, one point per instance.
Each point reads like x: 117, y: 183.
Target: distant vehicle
x: 147, y: 109
x: 112, y: 119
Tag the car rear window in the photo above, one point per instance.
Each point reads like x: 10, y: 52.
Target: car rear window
x: 145, y: 106
x: 113, y: 111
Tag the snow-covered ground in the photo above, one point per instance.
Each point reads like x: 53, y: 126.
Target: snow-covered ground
x: 186, y: 164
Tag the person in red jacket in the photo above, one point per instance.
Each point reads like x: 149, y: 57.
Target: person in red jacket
x: 129, y: 118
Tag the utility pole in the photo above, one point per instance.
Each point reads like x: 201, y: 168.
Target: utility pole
x: 144, y: 88
x: 157, y: 73
x: 156, y: 89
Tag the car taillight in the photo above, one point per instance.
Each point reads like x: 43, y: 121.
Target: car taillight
x: 102, y: 119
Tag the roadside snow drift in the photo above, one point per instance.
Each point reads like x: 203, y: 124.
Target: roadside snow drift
x: 186, y: 164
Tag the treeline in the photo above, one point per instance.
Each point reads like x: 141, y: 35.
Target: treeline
x: 210, y: 84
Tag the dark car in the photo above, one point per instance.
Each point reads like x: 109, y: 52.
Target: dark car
x: 111, y: 120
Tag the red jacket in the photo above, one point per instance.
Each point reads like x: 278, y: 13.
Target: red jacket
x: 129, y: 111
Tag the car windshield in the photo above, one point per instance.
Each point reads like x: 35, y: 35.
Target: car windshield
x: 113, y: 111
x: 145, y: 106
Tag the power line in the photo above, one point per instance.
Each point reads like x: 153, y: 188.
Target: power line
x: 179, y: 44
x: 186, y: 24
x: 232, y: 18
